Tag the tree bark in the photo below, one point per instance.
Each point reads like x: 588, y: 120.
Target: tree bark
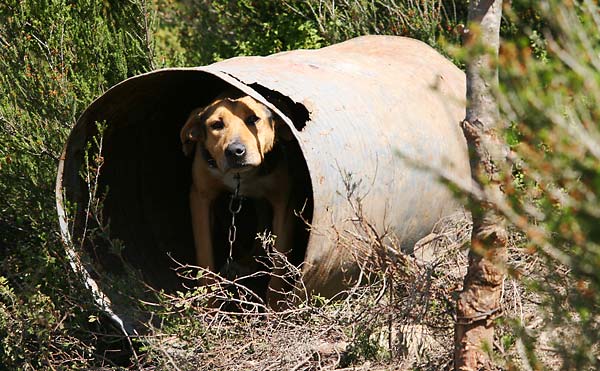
x: 479, y: 302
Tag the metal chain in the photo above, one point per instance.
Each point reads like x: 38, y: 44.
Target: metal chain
x: 235, y: 206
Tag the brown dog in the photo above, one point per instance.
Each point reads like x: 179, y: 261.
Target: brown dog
x: 230, y: 136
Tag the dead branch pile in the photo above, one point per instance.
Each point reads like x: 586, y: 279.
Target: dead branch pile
x: 400, y: 314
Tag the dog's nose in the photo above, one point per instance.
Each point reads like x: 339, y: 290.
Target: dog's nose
x: 235, y: 150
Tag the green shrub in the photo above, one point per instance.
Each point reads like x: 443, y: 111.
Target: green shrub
x: 427, y: 20
x: 209, y: 31
x: 199, y: 32
x: 56, y: 56
x: 550, y: 91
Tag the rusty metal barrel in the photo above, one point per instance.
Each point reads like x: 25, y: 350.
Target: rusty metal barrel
x: 371, y: 117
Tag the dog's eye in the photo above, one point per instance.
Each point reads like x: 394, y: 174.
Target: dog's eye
x: 252, y: 120
x: 217, y: 125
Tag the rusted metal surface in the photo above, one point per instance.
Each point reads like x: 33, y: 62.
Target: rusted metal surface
x: 376, y: 104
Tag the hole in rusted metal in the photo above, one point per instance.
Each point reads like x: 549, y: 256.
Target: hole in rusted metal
x: 294, y: 110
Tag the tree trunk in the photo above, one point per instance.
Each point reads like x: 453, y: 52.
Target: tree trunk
x: 479, y: 302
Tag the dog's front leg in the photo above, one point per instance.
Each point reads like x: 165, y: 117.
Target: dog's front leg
x: 283, y: 227
x: 200, y: 210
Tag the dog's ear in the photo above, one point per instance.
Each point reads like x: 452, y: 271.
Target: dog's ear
x: 283, y: 131
x: 192, y: 132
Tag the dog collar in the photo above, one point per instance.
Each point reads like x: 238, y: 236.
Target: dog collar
x: 212, y: 163
x: 271, y: 159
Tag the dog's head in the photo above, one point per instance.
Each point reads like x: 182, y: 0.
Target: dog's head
x: 236, y: 131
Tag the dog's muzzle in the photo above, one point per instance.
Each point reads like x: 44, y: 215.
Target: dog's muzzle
x: 235, y: 153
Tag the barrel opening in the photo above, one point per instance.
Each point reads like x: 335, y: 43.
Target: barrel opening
x: 145, y: 180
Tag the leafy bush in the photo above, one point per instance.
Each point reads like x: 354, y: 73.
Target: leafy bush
x: 208, y: 31
x: 56, y: 57
x: 201, y: 31
x: 550, y: 91
x: 427, y: 20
